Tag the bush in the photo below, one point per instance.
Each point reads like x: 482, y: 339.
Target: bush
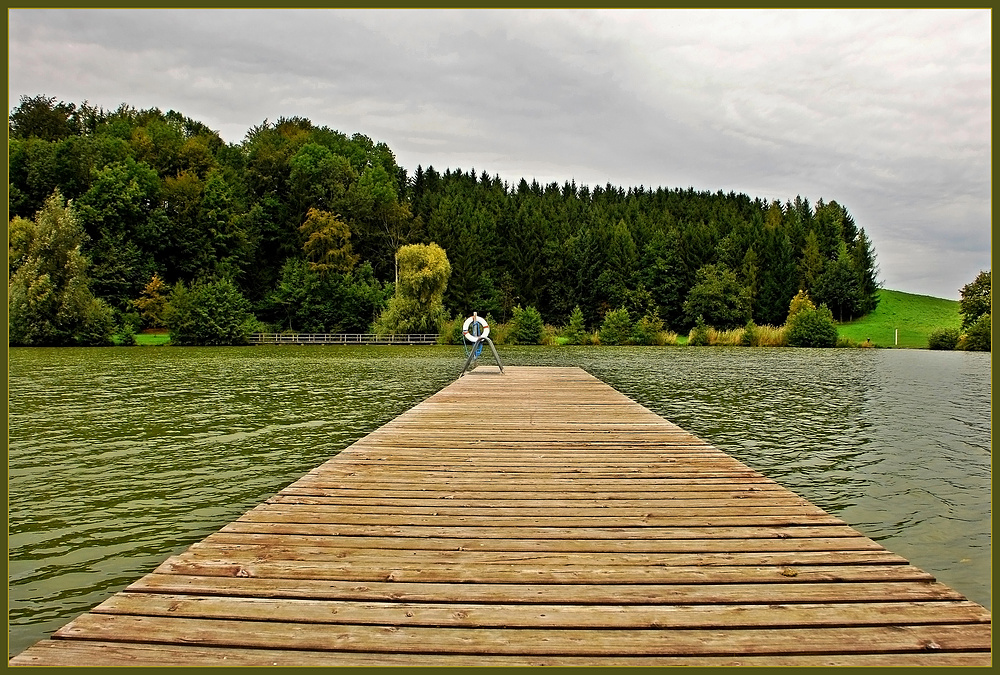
x: 576, y: 332
x: 698, y: 337
x: 749, y: 337
x: 649, y: 331
x: 812, y: 327
x: 943, y: 338
x: 616, y: 328
x: 977, y: 338
x: 126, y: 327
x: 526, y: 327
x: 98, y: 327
x: 212, y: 313
x: 799, y: 303
x: 451, y: 332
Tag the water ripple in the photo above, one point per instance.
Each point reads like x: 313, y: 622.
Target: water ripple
x: 118, y: 458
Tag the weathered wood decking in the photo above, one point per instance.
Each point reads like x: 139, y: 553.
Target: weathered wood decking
x: 533, y: 518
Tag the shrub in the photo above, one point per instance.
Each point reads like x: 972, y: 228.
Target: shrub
x: 812, y: 327
x: 212, y: 313
x: 576, y: 331
x: 977, y: 338
x: 527, y: 327
x: 616, y: 328
x: 749, y: 337
x: 799, y: 303
x: 698, y: 337
x: 126, y: 327
x: 648, y: 331
x: 943, y: 338
x: 451, y: 332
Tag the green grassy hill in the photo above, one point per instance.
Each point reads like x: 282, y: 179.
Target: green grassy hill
x: 915, y: 316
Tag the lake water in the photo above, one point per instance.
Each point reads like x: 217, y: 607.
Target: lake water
x: 121, y: 457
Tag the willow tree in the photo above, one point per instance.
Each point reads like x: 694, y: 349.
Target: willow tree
x: 418, y: 305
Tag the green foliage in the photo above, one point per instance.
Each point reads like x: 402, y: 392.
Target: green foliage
x: 125, y: 329
x: 943, y: 338
x: 837, y: 287
x: 649, y: 330
x: 978, y: 337
x: 328, y: 243
x: 153, y: 303
x: 799, y: 303
x: 812, y: 327
x: 209, y: 314
x: 160, y: 193
x: 576, y: 332
x: 616, y: 328
x: 451, y: 331
x: 41, y: 117
x: 527, y: 327
x: 699, y: 335
x: 417, y: 306
x: 718, y: 297
x: 49, y: 297
x: 977, y: 299
x: 309, y: 301
x: 750, y: 337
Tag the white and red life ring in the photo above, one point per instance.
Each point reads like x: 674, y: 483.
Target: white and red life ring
x: 475, y: 319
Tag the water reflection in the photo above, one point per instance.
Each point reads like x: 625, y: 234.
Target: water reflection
x: 119, y: 457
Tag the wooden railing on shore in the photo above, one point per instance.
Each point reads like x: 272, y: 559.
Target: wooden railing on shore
x: 342, y: 339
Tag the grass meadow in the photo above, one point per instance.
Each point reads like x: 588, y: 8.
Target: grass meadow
x: 914, y: 316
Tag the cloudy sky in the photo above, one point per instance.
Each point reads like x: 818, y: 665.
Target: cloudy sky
x: 886, y: 112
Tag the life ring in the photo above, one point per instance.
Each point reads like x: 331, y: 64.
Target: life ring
x: 482, y: 322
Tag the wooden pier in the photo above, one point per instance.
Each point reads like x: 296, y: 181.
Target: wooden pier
x: 537, y: 517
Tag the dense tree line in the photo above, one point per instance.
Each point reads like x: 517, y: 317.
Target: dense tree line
x: 305, y: 222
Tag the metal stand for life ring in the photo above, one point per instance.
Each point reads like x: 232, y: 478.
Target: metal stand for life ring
x: 476, y: 331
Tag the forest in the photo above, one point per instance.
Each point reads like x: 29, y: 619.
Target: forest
x: 302, y: 223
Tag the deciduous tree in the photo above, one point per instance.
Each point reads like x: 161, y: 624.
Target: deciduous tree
x: 49, y: 296
x: 976, y: 300
x: 717, y: 297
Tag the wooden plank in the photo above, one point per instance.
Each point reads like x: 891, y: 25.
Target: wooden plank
x: 525, y: 594
x: 443, y: 640
x: 579, y: 533
x: 67, y: 653
x: 705, y: 545
x: 573, y: 527
x: 421, y: 558
x: 544, y: 615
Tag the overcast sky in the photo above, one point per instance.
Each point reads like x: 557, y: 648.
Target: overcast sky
x: 886, y: 112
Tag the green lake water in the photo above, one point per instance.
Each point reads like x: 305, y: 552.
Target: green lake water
x: 120, y: 457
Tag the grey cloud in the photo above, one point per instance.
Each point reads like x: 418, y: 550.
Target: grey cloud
x: 887, y: 112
